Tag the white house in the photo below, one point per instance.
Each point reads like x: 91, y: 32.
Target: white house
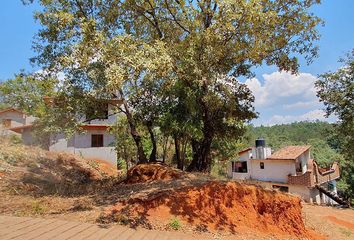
x: 94, y: 142
x: 12, y: 118
x: 289, y: 169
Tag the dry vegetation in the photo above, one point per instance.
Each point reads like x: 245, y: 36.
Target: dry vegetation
x: 34, y: 182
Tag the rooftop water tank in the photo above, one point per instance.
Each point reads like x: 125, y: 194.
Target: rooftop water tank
x: 260, y: 142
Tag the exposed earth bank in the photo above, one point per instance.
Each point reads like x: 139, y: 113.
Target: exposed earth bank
x: 216, y: 205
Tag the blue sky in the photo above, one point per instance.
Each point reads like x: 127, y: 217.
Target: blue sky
x: 280, y: 97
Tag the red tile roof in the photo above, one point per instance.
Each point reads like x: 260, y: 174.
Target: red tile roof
x: 289, y: 152
x: 11, y: 110
x: 244, y: 150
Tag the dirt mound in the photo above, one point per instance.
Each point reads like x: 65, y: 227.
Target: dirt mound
x: 225, y: 206
x: 143, y: 173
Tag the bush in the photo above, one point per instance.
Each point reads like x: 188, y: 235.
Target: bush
x: 175, y: 223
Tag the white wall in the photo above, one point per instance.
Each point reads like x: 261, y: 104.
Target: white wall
x: 301, y: 191
x: 303, y: 158
x: 241, y: 176
x: 59, y: 143
x: 274, y: 170
x: 80, y: 144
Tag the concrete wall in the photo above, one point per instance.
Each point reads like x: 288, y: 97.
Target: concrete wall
x: 241, y: 176
x: 59, y: 143
x: 303, y: 159
x: 80, y: 144
x: 301, y: 191
x: 27, y: 137
x: 274, y: 170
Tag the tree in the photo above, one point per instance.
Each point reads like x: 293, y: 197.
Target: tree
x: 198, y: 47
x: 336, y: 91
x: 26, y: 92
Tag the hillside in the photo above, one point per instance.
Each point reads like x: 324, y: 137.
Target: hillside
x: 38, y: 183
x: 317, y: 134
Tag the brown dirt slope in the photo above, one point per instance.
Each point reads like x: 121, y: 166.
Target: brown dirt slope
x: 31, y: 170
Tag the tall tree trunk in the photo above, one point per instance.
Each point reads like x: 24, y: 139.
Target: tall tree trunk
x: 153, y: 141
x: 178, y: 152
x: 134, y: 133
x: 165, y: 148
x: 201, y: 161
x: 201, y: 149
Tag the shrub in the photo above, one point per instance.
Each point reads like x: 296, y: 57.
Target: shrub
x: 175, y: 223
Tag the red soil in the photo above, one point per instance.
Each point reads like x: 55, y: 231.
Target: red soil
x: 143, y: 173
x: 341, y: 222
x: 224, y: 206
x: 106, y: 167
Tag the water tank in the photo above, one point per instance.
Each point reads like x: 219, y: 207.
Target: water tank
x: 260, y: 142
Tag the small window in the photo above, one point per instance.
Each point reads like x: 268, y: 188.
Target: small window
x: 261, y: 165
x: 240, y: 167
x: 97, y: 140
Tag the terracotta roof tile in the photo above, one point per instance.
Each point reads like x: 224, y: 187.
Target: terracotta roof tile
x: 245, y: 150
x: 289, y: 152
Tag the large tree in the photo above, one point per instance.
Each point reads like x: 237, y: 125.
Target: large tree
x: 198, y: 47
x: 336, y: 91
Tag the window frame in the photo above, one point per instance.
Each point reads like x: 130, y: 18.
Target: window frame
x: 97, y: 140
x: 261, y: 165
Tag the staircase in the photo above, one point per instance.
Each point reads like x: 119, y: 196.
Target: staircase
x: 332, y: 196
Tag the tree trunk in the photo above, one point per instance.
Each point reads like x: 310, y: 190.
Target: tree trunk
x: 137, y: 138
x: 178, y: 152
x: 154, y: 145
x: 201, y: 149
x: 201, y: 161
x: 165, y: 148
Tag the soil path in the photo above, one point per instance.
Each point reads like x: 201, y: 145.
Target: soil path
x: 43, y: 229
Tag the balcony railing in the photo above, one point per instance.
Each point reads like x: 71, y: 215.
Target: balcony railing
x: 315, y: 176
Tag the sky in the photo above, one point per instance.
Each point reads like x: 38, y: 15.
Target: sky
x: 279, y: 96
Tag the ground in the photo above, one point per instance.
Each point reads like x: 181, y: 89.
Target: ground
x: 34, y: 182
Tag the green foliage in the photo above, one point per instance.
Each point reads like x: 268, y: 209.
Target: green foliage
x: 316, y: 134
x: 336, y: 91
x: 174, y: 62
x: 124, y: 145
x: 26, y: 92
x: 38, y: 208
x: 175, y: 224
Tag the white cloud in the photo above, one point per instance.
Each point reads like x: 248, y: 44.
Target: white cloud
x: 302, y: 105
x: 279, y: 87
x: 309, y: 116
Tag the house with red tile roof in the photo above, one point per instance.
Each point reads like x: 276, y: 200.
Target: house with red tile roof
x: 289, y: 169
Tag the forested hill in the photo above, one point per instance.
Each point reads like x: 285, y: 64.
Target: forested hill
x: 317, y: 134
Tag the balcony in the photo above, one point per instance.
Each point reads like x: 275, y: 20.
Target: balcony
x: 315, y: 175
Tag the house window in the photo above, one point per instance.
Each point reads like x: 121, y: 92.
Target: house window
x: 97, y: 140
x: 281, y: 188
x: 240, y: 167
x: 261, y: 165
